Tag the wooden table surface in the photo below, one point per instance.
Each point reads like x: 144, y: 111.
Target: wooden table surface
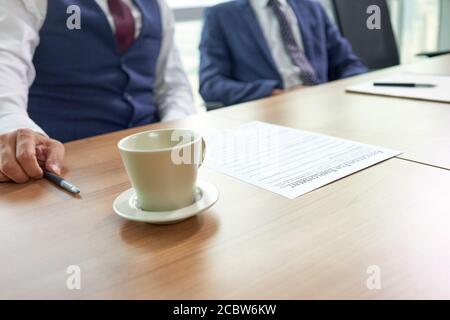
x: 253, y: 243
x: 420, y: 129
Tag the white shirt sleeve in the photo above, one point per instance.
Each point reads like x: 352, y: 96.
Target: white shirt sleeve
x: 173, y: 93
x: 20, y: 21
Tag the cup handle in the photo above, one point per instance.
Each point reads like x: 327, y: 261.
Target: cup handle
x: 203, y: 152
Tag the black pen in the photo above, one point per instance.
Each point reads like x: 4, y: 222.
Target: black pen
x: 404, y: 84
x: 66, y: 185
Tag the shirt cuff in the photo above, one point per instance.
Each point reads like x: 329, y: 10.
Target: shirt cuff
x: 12, y: 122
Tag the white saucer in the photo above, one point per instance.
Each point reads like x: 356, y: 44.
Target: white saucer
x: 125, y: 206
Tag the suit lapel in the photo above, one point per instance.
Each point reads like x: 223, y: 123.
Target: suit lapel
x: 253, y: 23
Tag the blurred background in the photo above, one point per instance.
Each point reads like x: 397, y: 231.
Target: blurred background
x: 419, y: 26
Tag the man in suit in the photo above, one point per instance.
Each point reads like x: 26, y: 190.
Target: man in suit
x: 252, y: 49
x: 71, y: 69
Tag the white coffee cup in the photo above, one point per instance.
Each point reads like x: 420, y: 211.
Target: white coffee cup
x: 162, y: 166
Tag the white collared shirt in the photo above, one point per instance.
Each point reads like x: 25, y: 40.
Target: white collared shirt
x: 271, y: 30
x: 20, y: 23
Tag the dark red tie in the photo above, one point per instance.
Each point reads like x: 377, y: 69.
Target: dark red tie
x: 124, y: 22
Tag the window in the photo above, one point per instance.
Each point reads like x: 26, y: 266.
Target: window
x: 187, y: 38
x: 188, y: 14
x: 416, y: 24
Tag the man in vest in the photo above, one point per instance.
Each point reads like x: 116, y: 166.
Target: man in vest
x: 71, y: 69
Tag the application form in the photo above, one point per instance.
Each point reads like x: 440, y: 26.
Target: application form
x: 287, y: 161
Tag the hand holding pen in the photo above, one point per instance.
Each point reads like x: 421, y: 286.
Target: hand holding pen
x: 24, y: 153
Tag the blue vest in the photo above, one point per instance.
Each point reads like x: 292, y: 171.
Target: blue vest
x: 83, y: 86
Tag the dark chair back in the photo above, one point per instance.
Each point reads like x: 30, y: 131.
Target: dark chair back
x: 377, y: 47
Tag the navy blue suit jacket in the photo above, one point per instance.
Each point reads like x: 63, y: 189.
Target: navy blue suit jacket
x: 236, y: 64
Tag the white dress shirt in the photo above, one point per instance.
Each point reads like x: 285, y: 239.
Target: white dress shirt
x: 289, y: 72
x: 20, y: 23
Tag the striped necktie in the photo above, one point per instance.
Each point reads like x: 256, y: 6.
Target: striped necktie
x: 298, y: 57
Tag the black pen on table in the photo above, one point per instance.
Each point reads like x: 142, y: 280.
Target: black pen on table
x: 404, y: 84
x: 66, y: 185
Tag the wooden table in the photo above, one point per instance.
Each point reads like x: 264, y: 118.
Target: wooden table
x: 418, y: 128
x: 252, y: 244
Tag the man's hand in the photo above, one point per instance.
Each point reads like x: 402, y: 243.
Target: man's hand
x: 23, y: 154
x: 276, y: 92
x: 297, y: 87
